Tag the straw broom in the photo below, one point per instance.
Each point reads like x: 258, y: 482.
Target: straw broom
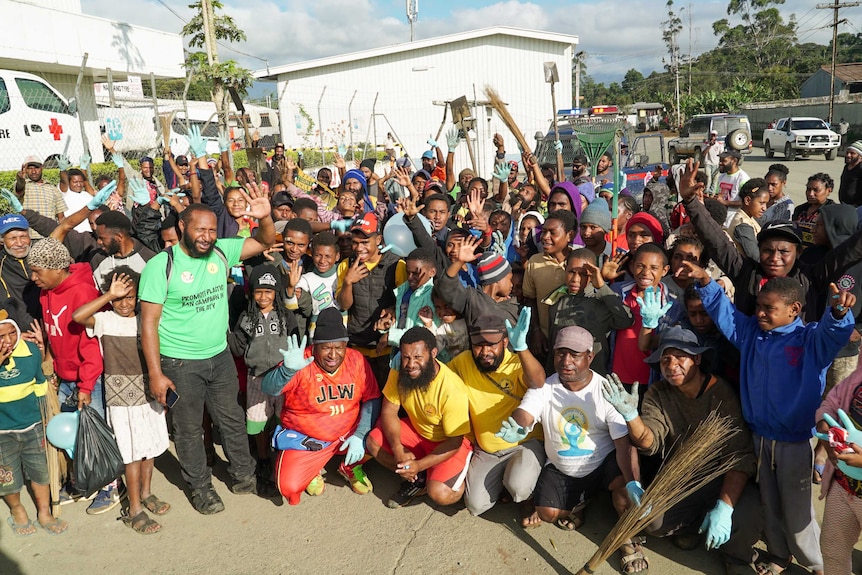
x: 498, y: 104
x: 50, y: 406
x: 694, y: 464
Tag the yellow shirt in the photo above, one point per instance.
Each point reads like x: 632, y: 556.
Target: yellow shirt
x: 437, y: 413
x: 542, y: 275
x: 492, y: 397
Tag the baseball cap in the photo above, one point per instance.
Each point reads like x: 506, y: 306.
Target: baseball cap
x: 713, y: 133
x: 367, y: 226
x: 574, y: 338
x: 434, y: 185
x: 490, y: 329
x: 730, y: 154
x: 13, y: 222
x: 182, y: 161
x: 428, y: 154
x: 403, y: 162
x: 32, y: 160
x: 281, y: 199
x: 513, y: 165
x: 679, y: 338
x: 780, y: 230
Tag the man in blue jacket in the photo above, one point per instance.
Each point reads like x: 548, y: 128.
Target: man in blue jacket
x: 782, y: 376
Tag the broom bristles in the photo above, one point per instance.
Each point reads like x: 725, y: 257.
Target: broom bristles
x: 498, y: 104
x: 693, y: 465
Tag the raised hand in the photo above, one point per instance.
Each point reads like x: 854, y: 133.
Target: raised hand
x: 341, y: 226
x: 518, y: 334
x: 692, y: 270
x: 223, y: 140
x: 258, y: 204
x: 117, y: 158
x: 63, y: 163
x: 501, y: 172
x: 558, y: 146
x: 595, y: 274
x: 121, y: 286
x: 613, y: 266
x: 453, y: 138
x: 498, y: 142
x: 651, y: 307
x: 293, y: 356
x: 511, y: 431
x: 355, y: 272
x: 688, y: 185
x: 615, y: 394
x: 432, y: 143
x: 102, y: 195
x: 467, y: 250
x: 108, y: 143
x: 85, y: 162
x: 139, y: 191
x: 476, y: 203
x: 842, y: 301
x: 196, y: 142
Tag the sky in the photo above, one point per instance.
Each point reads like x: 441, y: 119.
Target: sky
x: 617, y: 35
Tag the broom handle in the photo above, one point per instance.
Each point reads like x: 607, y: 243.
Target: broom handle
x: 561, y: 172
x: 470, y: 150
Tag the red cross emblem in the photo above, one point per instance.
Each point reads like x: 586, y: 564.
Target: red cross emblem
x: 55, y: 128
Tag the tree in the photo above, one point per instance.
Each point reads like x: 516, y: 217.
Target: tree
x: 633, y: 85
x: 205, y: 64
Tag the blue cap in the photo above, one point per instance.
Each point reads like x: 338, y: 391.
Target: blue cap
x: 13, y: 222
x: 428, y: 154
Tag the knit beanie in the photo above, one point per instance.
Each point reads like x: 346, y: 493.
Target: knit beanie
x: 856, y: 146
x: 49, y: 254
x: 264, y: 277
x: 330, y: 327
x: 588, y: 190
x: 368, y: 163
x: 650, y: 223
x: 492, y: 268
x: 598, y: 214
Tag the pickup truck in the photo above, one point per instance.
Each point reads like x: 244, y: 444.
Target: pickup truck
x: 805, y: 136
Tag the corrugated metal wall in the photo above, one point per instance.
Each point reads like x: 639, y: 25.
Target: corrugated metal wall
x: 407, y: 84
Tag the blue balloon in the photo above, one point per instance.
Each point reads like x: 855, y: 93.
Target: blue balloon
x: 398, y: 235
x: 62, y: 431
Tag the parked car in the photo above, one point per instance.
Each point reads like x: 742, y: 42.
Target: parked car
x: 734, y: 129
x: 805, y: 136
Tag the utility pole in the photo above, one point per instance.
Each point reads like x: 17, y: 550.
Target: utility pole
x: 578, y: 57
x: 208, y: 16
x: 689, y: 49
x: 675, y: 65
x: 835, y: 22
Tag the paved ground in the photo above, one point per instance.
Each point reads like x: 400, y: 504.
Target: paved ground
x: 343, y: 533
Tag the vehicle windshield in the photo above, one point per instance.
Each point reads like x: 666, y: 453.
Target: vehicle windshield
x: 813, y: 124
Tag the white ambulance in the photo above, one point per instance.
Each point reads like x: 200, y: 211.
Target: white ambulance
x: 35, y: 120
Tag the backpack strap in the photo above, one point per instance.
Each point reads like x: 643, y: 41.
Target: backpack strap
x: 169, y: 266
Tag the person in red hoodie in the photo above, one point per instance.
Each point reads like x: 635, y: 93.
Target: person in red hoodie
x: 77, y: 358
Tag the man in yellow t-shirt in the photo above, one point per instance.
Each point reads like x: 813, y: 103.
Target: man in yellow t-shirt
x: 496, y: 381
x: 429, y: 448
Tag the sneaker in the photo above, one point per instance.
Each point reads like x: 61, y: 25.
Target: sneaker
x: 247, y: 486
x: 316, y: 486
x: 356, y: 478
x: 66, y: 497
x: 408, y: 492
x: 106, y: 499
x: 206, y: 501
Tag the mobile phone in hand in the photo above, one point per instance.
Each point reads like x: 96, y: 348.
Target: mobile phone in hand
x: 171, y: 397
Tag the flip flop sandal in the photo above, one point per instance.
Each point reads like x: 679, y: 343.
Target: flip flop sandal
x: 18, y: 527
x: 141, y: 523
x: 627, y: 559
x: 155, y: 505
x: 572, y: 522
x: 55, y: 523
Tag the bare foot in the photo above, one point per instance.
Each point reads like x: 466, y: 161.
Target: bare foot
x: 633, y: 559
x: 529, y: 516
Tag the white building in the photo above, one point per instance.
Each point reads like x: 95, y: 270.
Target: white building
x: 401, y: 89
x: 48, y: 38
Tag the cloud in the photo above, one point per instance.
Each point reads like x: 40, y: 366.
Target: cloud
x: 617, y: 35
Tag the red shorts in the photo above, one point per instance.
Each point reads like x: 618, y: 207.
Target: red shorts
x: 295, y: 469
x: 451, y: 472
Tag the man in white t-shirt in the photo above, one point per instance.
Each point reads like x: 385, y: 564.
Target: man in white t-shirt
x: 732, y: 178
x: 586, y: 442
x: 76, y: 197
x: 712, y: 148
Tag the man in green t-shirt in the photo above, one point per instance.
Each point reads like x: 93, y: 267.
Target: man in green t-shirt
x: 184, y: 323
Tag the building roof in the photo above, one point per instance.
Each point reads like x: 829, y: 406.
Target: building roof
x: 847, y: 73
x: 272, y: 73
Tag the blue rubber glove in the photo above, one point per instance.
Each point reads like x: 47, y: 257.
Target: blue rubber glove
x: 299, y: 154
x: 140, y: 192
x: 342, y: 150
x: 853, y: 436
x: 635, y: 491
x: 518, y: 333
x: 293, y: 355
x: 651, y: 308
x: 558, y: 145
x: 14, y: 202
x: 432, y: 142
x: 63, y: 163
x: 102, y: 195
x: 117, y: 158
x: 717, y: 524
x: 624, y: 402
x: 501, y: 172
x: 196, y: 142
x: 395, y: 362
x: 355, y: 448
x: 341, y: 226
x: 511, y: 432
x: 453, y: 139
x: 165, y: 199
x: 85, y: 162
x: 223, y: 141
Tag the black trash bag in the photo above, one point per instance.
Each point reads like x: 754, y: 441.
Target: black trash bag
x: 97, y: 457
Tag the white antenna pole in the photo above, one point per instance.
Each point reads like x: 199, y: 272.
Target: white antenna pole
x: 412, y: 14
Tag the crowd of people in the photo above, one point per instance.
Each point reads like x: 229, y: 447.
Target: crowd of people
x: 516, y: 343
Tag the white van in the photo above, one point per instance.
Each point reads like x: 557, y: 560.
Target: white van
x: 35, y: 120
